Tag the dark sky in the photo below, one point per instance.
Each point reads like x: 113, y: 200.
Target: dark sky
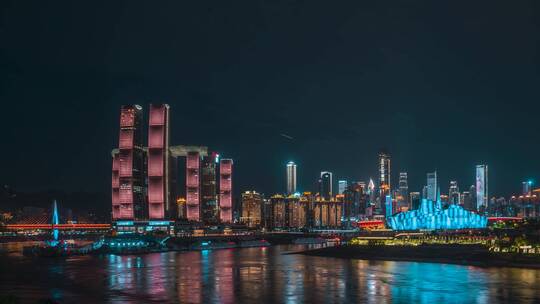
x: 443, y: 85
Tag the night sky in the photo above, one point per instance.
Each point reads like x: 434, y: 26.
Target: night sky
x: 443, y: 85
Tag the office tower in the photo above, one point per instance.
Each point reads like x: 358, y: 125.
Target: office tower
x: 370, y: 187
x: 384, y: 175
x: 432, y: 186
x: 527, y: 188
x: 268, y: 214
x: 252, y: 205
x: 342, y: 186
x: 356, y: 201
x: 160, y: 204
x: 209, y: 195
x: 225, y: 190
x: 192, y: 186
x: 481, y: 187
x: 424, y: 192
x: 291, y: 177
x: 414, y: 200
x: 453, y: 193
x: 404, y: 187
x: 470, y: 199
x: 280, y: 211
x: 388, y: 206
x: 128, y: 174
x: 325, y: 190
x: 370, y: 191
x: 298, y: 211
x: 466, y: 200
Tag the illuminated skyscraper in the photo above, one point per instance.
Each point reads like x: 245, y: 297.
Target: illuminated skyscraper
x: 192, y: 186
x: 128, y: 174
x: 453, y: 193
x: 291, y: 177
x: 404, y: 186
x: 414, y: 200
x: 481, y: 187
x: 252, y: 204
x: 527, y: 188
x: 160, y: 203
x: 384, y: 175
x: 432, y: 186
x: 209, y: 195
x: 225, y: 190
x: 342, y: 186
x: 326, y: 185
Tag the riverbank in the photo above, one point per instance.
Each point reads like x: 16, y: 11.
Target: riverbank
x: 475, y: 255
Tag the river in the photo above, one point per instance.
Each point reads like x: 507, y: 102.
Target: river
x: 258, y: 275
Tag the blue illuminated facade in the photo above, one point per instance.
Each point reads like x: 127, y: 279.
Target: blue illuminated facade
x: 431, y: 215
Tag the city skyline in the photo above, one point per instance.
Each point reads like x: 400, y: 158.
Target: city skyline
x: 270, y: 152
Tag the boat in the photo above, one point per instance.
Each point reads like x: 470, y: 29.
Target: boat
x: 133, y: 244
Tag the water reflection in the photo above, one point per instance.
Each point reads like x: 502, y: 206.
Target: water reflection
x: 259, y: 275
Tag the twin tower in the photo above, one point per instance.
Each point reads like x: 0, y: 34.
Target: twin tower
x: 145, y: 179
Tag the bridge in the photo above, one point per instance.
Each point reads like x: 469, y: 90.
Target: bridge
x: 58, y: 226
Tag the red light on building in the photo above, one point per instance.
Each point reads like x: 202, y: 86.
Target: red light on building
x: 225, y: 190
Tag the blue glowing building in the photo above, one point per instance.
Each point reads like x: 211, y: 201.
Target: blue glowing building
x: 431, y: 215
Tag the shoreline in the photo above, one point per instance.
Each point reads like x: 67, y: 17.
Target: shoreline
x: 472, y: 255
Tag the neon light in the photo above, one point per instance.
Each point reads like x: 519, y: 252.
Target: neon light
x: 158, y: 223
x: 124, y: 223
x: 431, y: 216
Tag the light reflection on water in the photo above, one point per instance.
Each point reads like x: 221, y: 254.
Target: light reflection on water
x: 259, y: 275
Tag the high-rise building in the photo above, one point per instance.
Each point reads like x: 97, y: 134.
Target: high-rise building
x: 388, y: 206
x: 342, y: 186
x: 370, y: 191
x: 425, y: 192
x: 128, y: 174
x: 404, y: 187
x: 415, y: 200
x: 432, y: 186
x: 291, y: 177
x: 193, y: 162
x: 453, y: 193
x: 356, y: 201
x: 252, y: 205
x: 481, y: 187
x: 384, y: 175
x: 160, y: 202
x: 468, y: 199
x: 326, y: 181
x: 209, y: 195
x: 280, y: 211
x: 527, y: 188
x: 225, y: 190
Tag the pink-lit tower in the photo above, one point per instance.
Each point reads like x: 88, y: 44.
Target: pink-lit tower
x: 225, y: 190
x: 192, y: 186
x: 128, y: 195
x: 159, y: 200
